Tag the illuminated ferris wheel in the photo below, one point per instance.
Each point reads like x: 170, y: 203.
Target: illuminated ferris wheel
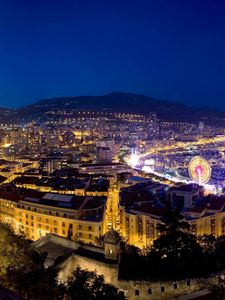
x: 199, y: 170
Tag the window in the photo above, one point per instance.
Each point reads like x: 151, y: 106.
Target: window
x: 63, y: 224
x: 223, y: 225
x: 137, y: 293
x: 213, y: 226
x: 110, y: 251
x: 121, y: 293
x: 90, y: 236
x: 89, y: 228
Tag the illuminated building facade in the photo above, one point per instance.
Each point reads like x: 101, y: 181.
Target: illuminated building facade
x: 88, y: 215
x: 139, y: 227
x: 35, y: 214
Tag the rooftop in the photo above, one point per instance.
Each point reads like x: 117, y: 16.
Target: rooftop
x: 150, y: 209
x: 51, y: 199
x: 186, y: 188
x: 102, y: 165
x: 70, y: 183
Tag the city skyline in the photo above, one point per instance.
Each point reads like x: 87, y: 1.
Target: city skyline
x: 172, y: 51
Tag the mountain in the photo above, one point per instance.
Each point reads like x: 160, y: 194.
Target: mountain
x: 120, y: 102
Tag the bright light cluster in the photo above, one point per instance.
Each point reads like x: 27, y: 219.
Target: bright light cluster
x: 134, y: 160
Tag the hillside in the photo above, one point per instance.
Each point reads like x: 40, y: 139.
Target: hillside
x: 119, y: 102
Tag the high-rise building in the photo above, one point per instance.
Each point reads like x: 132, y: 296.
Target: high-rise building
x: 106, y: 142
x: 104, y: 155
x: 201, y: 126
x: 153, y: 126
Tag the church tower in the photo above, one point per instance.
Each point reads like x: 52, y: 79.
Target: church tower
x: 112, y: 245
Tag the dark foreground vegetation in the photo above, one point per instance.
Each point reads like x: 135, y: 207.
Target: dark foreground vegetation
x: 22, y: 272
x: 176, y: 254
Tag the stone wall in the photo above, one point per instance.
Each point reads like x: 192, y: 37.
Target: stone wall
x: 57, y: 240
x: 110, y: 272
x: 134, y: 290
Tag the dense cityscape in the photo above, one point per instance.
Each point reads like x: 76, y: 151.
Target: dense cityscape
x: 86, y: 184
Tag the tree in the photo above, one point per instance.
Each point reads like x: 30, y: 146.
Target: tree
x: 37, y: 284
x: 99, y: 240
x: 208, y: 243
x: 85, y: 285
x: 176, y: 254
x: 218, y: 290
x: 15, y: 252
x: 220, y: 251
x: 172, y: 221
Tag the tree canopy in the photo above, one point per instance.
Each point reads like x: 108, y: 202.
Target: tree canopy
x: 22, y: 271
x: 15, y: 252
x: 172, y: 221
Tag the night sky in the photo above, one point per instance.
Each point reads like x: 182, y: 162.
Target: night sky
x: 168, y: 49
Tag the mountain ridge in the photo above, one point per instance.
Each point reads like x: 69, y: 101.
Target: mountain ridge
x: 118, y: 102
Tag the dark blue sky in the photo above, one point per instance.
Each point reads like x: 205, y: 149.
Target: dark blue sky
x: 171, y: 49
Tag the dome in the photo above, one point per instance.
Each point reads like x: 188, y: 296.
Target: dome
x: 111, y: 237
